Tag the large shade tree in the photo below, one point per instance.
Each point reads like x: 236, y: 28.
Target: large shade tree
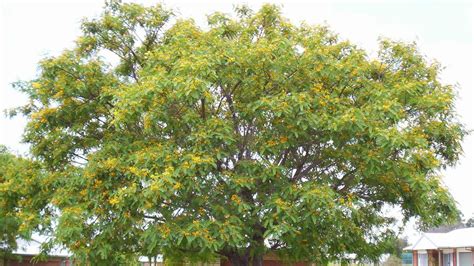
x: 251, y: 135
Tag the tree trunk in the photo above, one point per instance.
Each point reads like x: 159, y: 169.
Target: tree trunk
x: 239, y: 260
x: 257, y: 249
x: 257, y: 261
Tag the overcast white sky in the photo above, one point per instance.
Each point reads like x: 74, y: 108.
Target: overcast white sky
x: 30, y: 30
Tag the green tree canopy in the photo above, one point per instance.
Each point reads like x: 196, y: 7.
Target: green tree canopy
x: 249, y: 136
x: 23, y: 201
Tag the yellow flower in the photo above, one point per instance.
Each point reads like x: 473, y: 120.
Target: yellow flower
x: 317, y: 88
x: 138, y: 172
x: 155, y: 187
x: 147, y: 122
x: 36, y: 85
x: 271, y: 143
x: 114, y: 201
x: 73, y: 210
x: 165, y: 229
x: 97, y: 183
x: 168, y: 171
x: 202, y: 211
x: 59, y: 94
x: 236, y: 199
x: 405, y: 188
x: 196, y: 159
x: 134, y: 170
x: 279, y: 202
x: 177, y: 186
x: 23, y: 227
x: 185, y: 165
x: 111, y: 163
x: 55, y: 201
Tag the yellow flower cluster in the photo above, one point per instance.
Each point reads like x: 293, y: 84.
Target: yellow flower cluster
x: 114, y: 201
x: 177, y: 186
x: 317, y: 88
x: 73, y: 210
x: 59, y: 94
x: 236, y: 199
x: 97, y: 183
x: 168, y: 171
x: 405, y: 188
x: 36, y: 85
x: 5, y: 186
x: 165, y: 230
x: 155, y: 187
x: 386, y: 106
x: 280, y: 203
x: 281, y: 140
x: 199, y: 159
x: 111, y: 163
x: 138, y: 172
x: 42, y: 114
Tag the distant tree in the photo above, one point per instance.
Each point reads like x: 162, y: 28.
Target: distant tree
x: 398, y: 245
x: 251, y: 136
x: 469, y: 222
x: 392, y: 261
x: 395, y: 250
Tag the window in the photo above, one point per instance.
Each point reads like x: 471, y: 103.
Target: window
x: 448, y: 259
x: 465, y: 259
x: 423, y: 259
x: 407, y: 258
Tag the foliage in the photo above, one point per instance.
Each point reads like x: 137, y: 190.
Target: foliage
x: 250, y: 136
x: 397, y: 246
x: 447, y: 226
x: 469, y: 222
x: 22, y: 200
x: 392, y: 261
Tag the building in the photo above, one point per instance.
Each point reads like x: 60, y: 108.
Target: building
x: 268, y: 260
x: 454, y: 248
x: 271, y: 260
x: 27, y: 250
x: 27, y: 259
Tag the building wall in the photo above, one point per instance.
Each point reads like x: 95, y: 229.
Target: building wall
x: 181, y: 264
x: 271, y: 263
x: 25, y: 260
x: 433, y: 258
x: 415, y: 257
x: 225, y: 263
x: 459, y: 257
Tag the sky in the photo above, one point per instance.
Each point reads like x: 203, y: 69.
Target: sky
x: 443, y: 30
